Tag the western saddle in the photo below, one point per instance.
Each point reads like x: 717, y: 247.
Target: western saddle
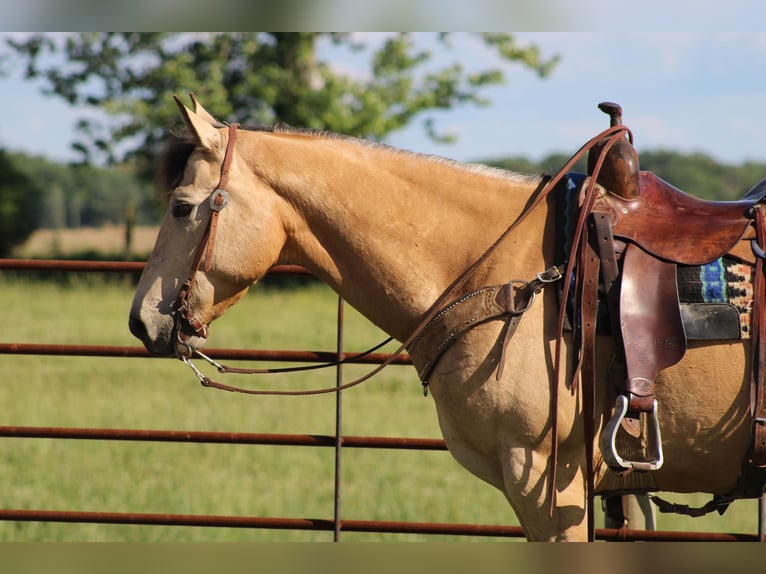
x: 637, y: 230
x: 634, y: 234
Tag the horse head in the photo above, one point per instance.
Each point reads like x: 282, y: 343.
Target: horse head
x: 218, y: 211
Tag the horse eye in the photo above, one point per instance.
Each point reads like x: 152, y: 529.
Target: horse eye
x: 182, y: 209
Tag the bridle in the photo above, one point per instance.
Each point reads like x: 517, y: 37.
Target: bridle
x: 218, y: 199
x: 186, y: 320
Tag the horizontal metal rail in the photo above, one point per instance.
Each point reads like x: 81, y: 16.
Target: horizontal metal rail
x: 346, y: 525
x: 110, y: 266
x: 259, y: 522
x: 347, y: 441
x: 66, y: 265
x: 220, y: 354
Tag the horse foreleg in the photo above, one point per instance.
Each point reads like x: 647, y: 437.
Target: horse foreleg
x: 525, y: 476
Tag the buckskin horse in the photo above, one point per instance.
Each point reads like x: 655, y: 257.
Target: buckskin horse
x: 461, y: 263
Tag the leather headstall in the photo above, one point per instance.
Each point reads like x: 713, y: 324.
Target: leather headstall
x: 187, y: 323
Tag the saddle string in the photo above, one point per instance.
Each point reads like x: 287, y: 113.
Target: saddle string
x: 546, y: 184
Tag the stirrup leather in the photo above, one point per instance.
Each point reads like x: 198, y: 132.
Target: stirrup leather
x: 653, y: 449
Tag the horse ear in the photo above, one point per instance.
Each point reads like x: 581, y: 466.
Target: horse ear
x: 202, y: 112
x: 207, y: 136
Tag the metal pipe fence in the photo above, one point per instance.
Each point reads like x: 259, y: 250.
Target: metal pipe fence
x: 338, y: 442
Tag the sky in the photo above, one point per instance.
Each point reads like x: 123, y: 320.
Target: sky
x: 687, y: 91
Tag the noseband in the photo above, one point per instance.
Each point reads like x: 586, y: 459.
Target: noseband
x: 187, y: 323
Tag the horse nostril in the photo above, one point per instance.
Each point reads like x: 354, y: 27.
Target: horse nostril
x: 138, y: 328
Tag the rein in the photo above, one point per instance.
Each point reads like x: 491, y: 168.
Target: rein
x: 219, y: 199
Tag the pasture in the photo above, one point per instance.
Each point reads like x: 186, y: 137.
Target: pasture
x: 201, y: 478
x: 114, y: 476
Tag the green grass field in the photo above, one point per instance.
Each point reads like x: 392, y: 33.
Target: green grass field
x: 269, y: 481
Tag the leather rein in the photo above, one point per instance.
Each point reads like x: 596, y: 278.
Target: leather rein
x: 186, y: 320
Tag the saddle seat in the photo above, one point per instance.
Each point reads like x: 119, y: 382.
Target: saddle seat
x: 675, y: 226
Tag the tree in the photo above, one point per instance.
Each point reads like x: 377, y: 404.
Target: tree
x: 77, y: 195
x: 694, y: 173
x: 19, y: 207
x: 259, y: 78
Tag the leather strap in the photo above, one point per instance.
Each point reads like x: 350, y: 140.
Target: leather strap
x: 217, y: 200
x: 455, y: 319
x: 546, y: 185
x: 758, y: 346
x: 475, y: 308
x: 591, y: 190
x: 588, y: 272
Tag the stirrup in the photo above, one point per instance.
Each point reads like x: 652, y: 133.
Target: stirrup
x: 609, y: 436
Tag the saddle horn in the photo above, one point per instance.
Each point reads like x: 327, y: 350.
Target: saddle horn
x: 619, y: 173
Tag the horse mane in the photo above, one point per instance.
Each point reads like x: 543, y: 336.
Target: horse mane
x: 477, y: 168
x: 182, y: 142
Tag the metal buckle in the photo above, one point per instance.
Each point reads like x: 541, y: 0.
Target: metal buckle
x: 533, y: 295
x: 219, y: 199
x: 550, y: 275
x: 608, y: 440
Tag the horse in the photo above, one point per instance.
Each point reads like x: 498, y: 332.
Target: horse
x: 392, y: 231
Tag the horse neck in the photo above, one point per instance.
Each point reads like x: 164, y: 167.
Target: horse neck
x: 390, y: 231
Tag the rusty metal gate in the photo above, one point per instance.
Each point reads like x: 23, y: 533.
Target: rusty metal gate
x: 336, y: 524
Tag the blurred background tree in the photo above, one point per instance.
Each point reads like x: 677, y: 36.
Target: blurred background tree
x: 258, y: 78
x: 21, y: 200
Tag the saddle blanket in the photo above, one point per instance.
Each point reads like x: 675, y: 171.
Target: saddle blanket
x: 715, y: 298
x: 712, y: 288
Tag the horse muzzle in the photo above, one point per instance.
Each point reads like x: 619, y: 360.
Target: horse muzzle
x: 157, y: 343
x: 173, y: 336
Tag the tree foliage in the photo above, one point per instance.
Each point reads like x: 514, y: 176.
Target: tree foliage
x: 260, y: 78
x: 697, y: 174
x: 703, y: 176
x: 83, y: 195
x: 19, y: 208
